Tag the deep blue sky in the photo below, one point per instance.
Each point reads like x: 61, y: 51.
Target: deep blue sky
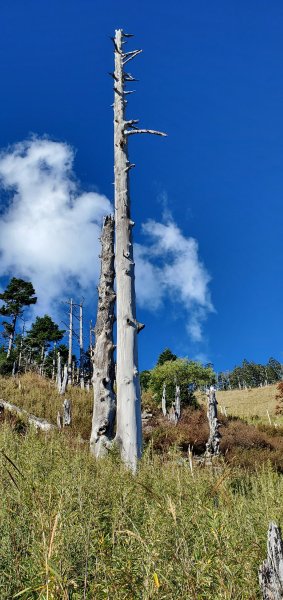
x: 211, y: 75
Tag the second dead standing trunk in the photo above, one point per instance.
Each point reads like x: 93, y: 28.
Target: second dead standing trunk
x: 103, y: 362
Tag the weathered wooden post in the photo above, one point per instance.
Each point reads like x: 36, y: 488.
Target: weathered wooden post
x: 129, y: 426
x: 212, y: 446
x: 104, y: 406
x: 271, y: 571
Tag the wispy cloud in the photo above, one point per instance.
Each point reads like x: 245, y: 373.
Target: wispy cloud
x: 169, y: 265
x: 50, y: 229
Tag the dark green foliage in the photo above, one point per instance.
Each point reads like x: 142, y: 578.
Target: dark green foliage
x: 165, y: 356
x: 44, y: 331
x: 144, y: 380
x: 251, y: 374
x: 188, y: 374
x: 18, y: 294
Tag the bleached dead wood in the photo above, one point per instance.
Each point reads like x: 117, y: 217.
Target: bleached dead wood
x: 129, y: 426
x: 32, y: 420
x: 59, y: 373
x: 65, y: 380
x: 104, y: 406
x: 271, y: 570
x: 178, y: 402
x: 70, y: 353
x: 212, y: 446
x: 67, y: 413
x: 163, y: 401
x: 81, y: 369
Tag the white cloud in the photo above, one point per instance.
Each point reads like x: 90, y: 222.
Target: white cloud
x: 49, y: 233
x: 170, y: 266
x: 50, y: 230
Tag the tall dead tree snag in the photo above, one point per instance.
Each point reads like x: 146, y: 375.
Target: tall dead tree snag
x: 129, y: 427
x: 212, y: 446
x: 104, y: 408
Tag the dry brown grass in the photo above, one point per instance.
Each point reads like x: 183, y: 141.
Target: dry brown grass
x: 39, y: 396
x: 250, y: 404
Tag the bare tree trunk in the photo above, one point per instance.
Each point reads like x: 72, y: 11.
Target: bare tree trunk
x: 70, y: 355
x: 67, y: 417
x: 81, y: 348
x: 212, y: 446
x: 12, y: 335
x: 178, y: 402
x: 59, y: 372
x: 163, y: 401
x: 129, y: 426
x: 104, y: 407
x: 54, y: 361
x: 65, y: 381
x: 271, y: 571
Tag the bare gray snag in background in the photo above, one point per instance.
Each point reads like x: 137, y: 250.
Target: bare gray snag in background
x: 271, y: 570
x: 104, y: 407
x: 163, y: 401
x: 67, y: 415
x: 212, y: 446
x: 70, y: 354
x: 59, y: 373
x: 65, y: 380
x: 129, y: 426
x: 178, y: 402
x: 81, y: 370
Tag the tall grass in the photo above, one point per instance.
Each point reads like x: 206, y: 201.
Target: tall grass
x: 75, y: 528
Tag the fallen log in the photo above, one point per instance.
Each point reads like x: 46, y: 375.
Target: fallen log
x: 41, y: 424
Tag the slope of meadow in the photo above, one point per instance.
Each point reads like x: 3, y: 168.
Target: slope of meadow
x: 73, y: 528
x: 251, y: 403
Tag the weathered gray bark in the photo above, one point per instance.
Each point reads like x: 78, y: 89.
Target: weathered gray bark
x: 129, y: 426
x: 54, y: 361
x: 212, y: 446
x: 178, y: 402
x: 81, y: 370
x: 104, y: 406
x: 271, y: 570
x: 32, y: 420
x: 65, y: 380
x: 70, y: 354
x: 67, y: 413
x: 163, y: 401
x: 12, y: 335
x: 59, y: 372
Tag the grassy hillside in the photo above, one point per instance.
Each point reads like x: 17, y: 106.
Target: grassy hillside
x: 251, y: 403
x: 73, y: 528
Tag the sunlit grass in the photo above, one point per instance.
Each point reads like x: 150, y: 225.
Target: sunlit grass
x: 75, y: 528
